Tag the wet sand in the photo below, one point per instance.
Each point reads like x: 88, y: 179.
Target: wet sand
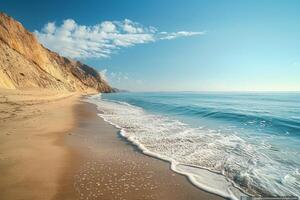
x: 111, y: 168
x: 52, y: 146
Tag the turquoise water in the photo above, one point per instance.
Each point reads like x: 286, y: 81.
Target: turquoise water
x: 252, y: 139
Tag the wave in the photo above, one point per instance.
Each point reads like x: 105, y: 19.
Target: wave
x: 234, y: 166
x: 259, y: 119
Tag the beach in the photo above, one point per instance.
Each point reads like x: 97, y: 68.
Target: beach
x: 54, y: 146
x: 32, y: 154
x: 104, y: 100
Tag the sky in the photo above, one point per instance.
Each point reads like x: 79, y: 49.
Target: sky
x: 172, y: 45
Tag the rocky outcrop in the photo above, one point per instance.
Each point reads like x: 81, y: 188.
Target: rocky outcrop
x: 25, y: 64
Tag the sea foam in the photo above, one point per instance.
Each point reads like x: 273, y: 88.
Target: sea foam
x: 224, y: 164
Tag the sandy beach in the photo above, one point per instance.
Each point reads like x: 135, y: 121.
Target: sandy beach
x: 32, y: 154
x: 54, y: 146
x: 149, y: 100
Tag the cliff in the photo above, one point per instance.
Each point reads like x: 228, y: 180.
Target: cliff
x: 25, y: 64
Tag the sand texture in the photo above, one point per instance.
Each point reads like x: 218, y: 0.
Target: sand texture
x: 53, y: 146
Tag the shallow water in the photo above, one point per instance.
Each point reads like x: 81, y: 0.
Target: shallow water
x: 251, y: 139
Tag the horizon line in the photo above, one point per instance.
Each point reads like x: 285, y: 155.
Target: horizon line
x: 237, y: 91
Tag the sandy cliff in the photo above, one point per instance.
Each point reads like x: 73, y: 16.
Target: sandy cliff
x: 26, y: 64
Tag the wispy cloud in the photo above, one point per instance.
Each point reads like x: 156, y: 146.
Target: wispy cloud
x: 116, y: 77
x: 103, y: 74
x: 101, y: 40
x: 170, y: 36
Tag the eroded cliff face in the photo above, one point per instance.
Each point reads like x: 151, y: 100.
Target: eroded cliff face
x: 25, y: 64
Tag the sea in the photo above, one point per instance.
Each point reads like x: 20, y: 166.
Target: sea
x: 232, y: 144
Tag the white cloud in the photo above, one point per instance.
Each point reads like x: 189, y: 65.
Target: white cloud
x: 49, y: 28
x: 108, y: 27
x: 101, y: 40
x: 118, y: 77
x: 103, y: 74
x: 170, y: 36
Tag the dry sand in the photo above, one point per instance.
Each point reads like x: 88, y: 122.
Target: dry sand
x: 54, y: 147
x: 32, y: 156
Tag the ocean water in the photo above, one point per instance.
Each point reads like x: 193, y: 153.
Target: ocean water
x: 231, y: 144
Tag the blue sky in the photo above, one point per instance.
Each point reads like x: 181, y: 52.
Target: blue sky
x: 216, y: 45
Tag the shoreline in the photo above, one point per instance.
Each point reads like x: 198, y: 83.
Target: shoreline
x: 172, y: 165
x: 111, y: 167
x: 218, y: 185
x: 57, y: 147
